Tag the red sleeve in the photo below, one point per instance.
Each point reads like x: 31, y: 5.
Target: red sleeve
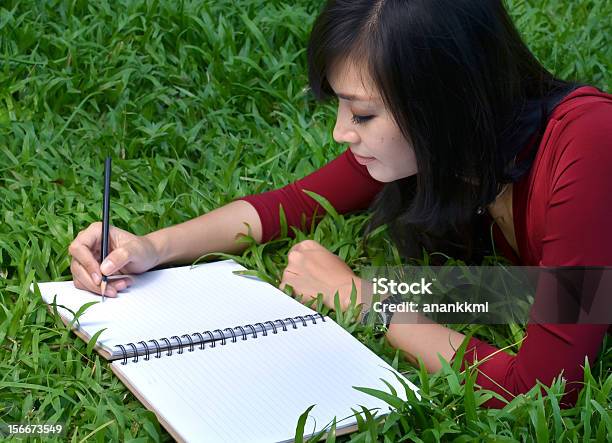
x: 578, y: 221
x: 345, y: 183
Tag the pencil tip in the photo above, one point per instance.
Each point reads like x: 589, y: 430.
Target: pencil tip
x: 103, y: 289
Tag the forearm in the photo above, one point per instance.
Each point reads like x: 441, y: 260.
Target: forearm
x: 415, y: 334
x: 346, y: 184
x: 423, y: 340
x: 215, y: 231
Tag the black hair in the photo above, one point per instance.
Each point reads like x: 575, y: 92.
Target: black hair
x: 463, y: 88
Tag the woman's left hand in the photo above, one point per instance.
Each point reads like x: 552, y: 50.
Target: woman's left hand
x: 312, y: 269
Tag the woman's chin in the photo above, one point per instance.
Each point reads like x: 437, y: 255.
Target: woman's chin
x: 380, y: 174
x: 384, y: 175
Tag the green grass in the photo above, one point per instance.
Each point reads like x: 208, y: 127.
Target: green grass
x: 200, y: 102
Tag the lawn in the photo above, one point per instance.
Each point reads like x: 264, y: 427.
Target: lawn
x: 200, y: 102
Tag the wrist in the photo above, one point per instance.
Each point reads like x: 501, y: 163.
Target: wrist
x: 161, y: 246
x: 382, y: 315
x: 346, y: 291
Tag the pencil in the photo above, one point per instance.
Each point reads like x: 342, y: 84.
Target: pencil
x: 105, y: 220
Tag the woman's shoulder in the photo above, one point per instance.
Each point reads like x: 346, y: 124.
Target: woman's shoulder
x: 567, y: 222
x: 579, y: 128
x: 587, y: 105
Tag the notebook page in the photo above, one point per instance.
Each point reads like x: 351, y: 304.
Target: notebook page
x: 175, y: 301
x: 255, y: 390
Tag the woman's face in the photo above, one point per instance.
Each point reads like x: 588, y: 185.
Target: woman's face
x: 365, y: 124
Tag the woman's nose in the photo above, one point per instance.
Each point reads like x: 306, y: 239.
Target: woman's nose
x: 343, y: 130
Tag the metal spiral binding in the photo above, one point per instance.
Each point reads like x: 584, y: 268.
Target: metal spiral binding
x: 233, y: 334
x: 133, y: 346
x: 252, y: 329
x: 201, y: 339
x: 263, y: 329
x: 244, y: 337
x: 282, y: 323
x: 190, y: 341
x: 274, y: 331
x: 180, y: 343
x: 169, y: 352
x: 157, y: 349
x: 146, y: 349
x: 222, y: 336
x: 213, y: 337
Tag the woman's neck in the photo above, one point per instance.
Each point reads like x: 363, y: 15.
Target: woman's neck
x: 501, y: 212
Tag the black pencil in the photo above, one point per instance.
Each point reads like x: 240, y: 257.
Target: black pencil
x: 105, y: 220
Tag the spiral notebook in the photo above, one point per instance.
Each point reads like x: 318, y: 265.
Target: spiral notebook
x: 224, y: 357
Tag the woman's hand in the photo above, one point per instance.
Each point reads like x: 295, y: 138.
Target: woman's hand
x: 312, y: 269
x: 129, y: 254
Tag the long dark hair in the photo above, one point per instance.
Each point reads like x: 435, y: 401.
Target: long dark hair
x: 462, y: 87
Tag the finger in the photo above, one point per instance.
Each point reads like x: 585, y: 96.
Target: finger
x: 110, y: 291
x: 84, y: 256
x: 310, y: 244
x: 295, y: 247
x: 288, y: 274
x: 301, y: 297
x: 306, y: 299
x: 91, y: 236
x: 287, y: 288
x: 294, y: 257
x: 283, y: 283
x: 119, y: 274
x: 287, y: 278
x: 82, y: 280
x: 306, y: 245
x: 120, y: 284
x: 114, y: 261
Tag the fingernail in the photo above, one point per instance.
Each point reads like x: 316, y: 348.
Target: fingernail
x: 96, y: 278
x: 120, y: 285
x: 106, y: 267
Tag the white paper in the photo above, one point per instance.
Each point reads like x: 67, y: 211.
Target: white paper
x: 255, y: 390
x: 175, y: 301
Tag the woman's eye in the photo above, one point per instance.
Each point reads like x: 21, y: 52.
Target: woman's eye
x: 358, y: 119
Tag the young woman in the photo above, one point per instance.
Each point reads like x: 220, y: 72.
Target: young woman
x: 451, y: 125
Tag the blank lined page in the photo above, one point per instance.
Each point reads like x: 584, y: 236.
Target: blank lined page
x: 176, y: 301
x: 256, y: 389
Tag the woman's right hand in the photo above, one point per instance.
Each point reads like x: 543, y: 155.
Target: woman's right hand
x: 128, y: 254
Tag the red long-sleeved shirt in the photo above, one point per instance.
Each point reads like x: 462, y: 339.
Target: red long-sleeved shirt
x: 562, y: 217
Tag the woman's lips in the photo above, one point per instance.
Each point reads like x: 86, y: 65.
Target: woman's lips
x: 363, y: 160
